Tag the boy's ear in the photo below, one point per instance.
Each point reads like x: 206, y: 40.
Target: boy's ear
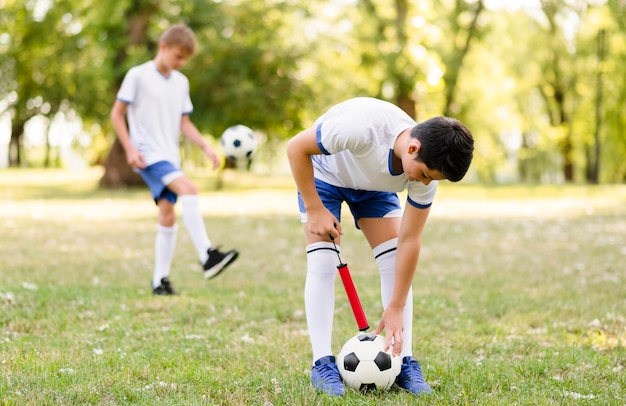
x: 414, y: 147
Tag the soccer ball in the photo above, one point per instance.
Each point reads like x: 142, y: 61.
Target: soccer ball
x: 364, y: 365
x: 238, y: 143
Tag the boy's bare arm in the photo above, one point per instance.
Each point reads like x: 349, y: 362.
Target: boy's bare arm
x: 189, y: 130
x: 118, y: 118
x: 409, y: 245
x: 299, y: 150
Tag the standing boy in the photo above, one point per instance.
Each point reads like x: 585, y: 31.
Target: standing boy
x: 362, y: 152
x: 155, y: 97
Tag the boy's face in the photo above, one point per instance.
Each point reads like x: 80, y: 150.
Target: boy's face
x: 416, y: 170
x: 174, y: 57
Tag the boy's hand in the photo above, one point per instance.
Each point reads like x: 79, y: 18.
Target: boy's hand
x: 208, y: 151
x: 135, y: 159
x: 323, y: 223
x: 392, y: 322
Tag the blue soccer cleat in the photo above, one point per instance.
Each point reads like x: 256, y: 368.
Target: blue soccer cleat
x: 411, y: 378
x: 325, y: 376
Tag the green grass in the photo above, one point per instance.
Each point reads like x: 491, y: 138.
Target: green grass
x: 520, y: 297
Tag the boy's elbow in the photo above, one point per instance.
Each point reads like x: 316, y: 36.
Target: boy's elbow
x: 291, y: 147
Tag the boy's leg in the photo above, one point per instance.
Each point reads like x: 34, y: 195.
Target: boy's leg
x: 385, y: 255
x: 382, y: 234
x: 194, y: 223
x: 213, y: 260
x: 164, y: 247
x: 319, y: 296
x: 319, y: 303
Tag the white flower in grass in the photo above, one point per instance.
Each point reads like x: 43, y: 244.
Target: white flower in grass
x: 160, y: 385
x: 595, y: 323
x: 68, y: 371
x: 247, y: 339
x: 103, y: 327
x: 29, y: 286
x: 8, y: 296
x: 300, y: 332
x: 577, y: 395
x: 194, y: 337
x: 98, y: 351
x: 277, y: 388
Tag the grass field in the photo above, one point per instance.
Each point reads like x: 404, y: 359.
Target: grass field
x: 520, y: 297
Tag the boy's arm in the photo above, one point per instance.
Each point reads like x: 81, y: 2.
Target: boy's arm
x: 118, y: 118
x: 320, y: 221
x: 190, y: 131
x: 409, y: 244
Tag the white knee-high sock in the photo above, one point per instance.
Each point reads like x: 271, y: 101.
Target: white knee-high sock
x: 195, y: 225
x: 164, y: 247
x: 385, y: 255
x: 319, y: 296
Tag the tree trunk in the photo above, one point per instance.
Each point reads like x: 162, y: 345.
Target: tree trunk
x: 593, y: 163
x: 15, y: 143
x: 453, y: 68
x: 117, y: 172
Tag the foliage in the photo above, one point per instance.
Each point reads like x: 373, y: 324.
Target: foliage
x: 529, y: 74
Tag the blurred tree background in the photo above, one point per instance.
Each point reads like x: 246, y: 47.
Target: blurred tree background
x: 540, y: 82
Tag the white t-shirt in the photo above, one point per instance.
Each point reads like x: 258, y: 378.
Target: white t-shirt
x: 357, y: 138
x: 156, y: 104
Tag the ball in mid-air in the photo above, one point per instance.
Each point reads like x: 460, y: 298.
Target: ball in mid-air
x: 364, y: 365
x: 238, y: 143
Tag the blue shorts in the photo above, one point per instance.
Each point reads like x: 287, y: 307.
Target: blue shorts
x: 157, y: 176
x: 362, y: 203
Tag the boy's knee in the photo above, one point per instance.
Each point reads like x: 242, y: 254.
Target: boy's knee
x: 167, y: 217
x: 190, y: 189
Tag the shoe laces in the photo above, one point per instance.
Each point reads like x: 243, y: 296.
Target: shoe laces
x: 412, y: 371
x: 329, y: 373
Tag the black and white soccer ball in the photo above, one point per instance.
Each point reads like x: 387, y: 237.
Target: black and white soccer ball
x: 364, y: 365
x: 238, y: 143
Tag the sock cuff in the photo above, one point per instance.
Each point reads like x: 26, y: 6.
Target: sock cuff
x: 167, y: 230
x: 322, y: 245
x: 188, y: 199
x: 385, y: 248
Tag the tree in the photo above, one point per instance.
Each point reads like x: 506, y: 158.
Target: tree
x: 464, y: 27
x: 117, y: 171
x: 242, y: 74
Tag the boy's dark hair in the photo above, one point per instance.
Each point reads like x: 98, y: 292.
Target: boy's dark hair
x: 447, y: 145
x: 179, y: 35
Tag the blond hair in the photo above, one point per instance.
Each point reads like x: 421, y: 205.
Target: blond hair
x: 179, y: 35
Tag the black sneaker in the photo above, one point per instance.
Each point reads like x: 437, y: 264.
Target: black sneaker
x: 218, y: 261
x: 165, y: 288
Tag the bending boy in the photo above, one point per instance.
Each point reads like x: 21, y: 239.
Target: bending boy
x: 362, y: 152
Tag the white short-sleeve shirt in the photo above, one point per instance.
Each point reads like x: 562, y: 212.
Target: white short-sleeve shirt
x: 156, y: 104
x: 357, y: 138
